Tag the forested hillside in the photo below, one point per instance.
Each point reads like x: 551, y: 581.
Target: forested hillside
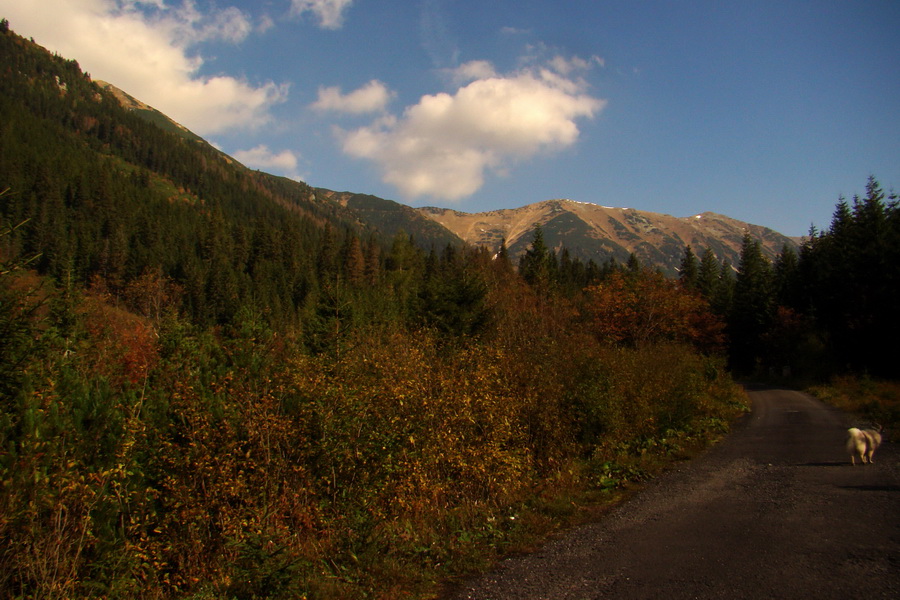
x: 100, y: 193
x: 216, y: 384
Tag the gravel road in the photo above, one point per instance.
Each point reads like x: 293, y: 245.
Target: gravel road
x: 774, y: 511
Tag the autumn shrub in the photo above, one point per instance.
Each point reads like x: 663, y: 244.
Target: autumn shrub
x: 420, y: 450
x: 634, y: 309
x: 651, y: 392
x: 148, y: 457
x: 403, y: 434
x: 145, y: 466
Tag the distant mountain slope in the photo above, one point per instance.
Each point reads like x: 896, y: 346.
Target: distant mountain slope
x: 589, y: 231
x: 597, y: 232
x: 103, y: 189
x: 390, y: 218
x: 384, y: 216
x: 148, y: 112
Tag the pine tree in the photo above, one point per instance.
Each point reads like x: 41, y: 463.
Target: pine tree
x: 373, y: 262
x: 453, y: 296
x: 537, y: 265
x: 724, y: 297
x: 708, y: 274
x: 500, y: 263
x: 689, y: 270
x: 787, y: 278
x: 503, y: 251
x: 752, y: 308
x: 633, y: 265
x: 848, y: 281
x: 404, y: 266
x: 354, y: 262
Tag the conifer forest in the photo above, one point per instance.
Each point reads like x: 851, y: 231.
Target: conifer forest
x: 216, y: 384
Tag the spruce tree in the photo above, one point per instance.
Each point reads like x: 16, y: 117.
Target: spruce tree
x: 708, y: 274
x: 787, y: 279
x: 354, y: 261
x: 633, y: 266
x: 689, y: 270
x: 537, y: 265
x: 848, y: 281
x: 503, y: 251
x: 752, y: 308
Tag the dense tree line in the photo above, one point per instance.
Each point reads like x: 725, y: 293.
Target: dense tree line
x: 847, y: 280
x: 826, y: 310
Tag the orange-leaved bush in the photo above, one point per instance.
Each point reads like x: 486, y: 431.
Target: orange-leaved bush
x: 635, y: 309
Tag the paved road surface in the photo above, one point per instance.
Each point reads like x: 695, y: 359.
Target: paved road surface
x: 774, y: 511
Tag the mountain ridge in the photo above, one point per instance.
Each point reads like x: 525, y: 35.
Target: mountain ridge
x: 153, y: 115
x: 589, y: 231
x: 594, y: 232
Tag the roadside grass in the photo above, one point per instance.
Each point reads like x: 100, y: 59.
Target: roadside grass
x: 874, y: 401
x: 583, y: 493
x: 430, y: 556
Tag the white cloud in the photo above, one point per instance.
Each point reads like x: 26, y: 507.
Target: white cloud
x: 472, y: 71
x: 262, y: 158
x: 508, y: 30
x: 145, y: 48
x: 189, y: 26
x: 443, y: 146
x: 566, y: 66
x: 370, y: 98
x: 330, y: 13
x: 265, y: 24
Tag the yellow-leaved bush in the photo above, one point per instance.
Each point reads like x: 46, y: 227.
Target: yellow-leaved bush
x: 155, y: 459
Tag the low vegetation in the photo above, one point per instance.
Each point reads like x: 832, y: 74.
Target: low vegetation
x: 146, y: 457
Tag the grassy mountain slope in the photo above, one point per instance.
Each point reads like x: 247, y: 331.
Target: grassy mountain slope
x: 149, y: 113
x: 596, y: 232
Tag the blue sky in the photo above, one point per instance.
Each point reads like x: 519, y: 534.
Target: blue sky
x: 763, y: 111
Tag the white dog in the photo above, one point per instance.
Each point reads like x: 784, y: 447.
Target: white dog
x: 862, y: 443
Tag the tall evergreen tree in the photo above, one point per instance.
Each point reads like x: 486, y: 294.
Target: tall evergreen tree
x: 724, y: 296
x: 787, y: 279
x: 689, y: 270
x: 752, y: 308
x: 537, y: 265
x: 354, y: 261
x: 633, y: 265
x: 453, y: 297
x: 501, y: 264
x: 503, y: 251
x: 708, y: 274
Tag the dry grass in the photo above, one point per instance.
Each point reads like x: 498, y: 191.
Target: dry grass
x: 869, y: 399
